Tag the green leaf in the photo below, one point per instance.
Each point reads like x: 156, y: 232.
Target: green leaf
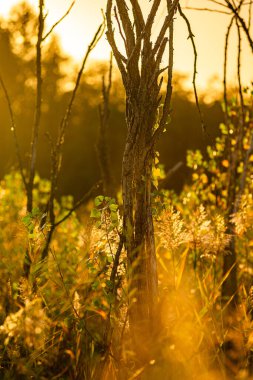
x: 27, y: 220
x: 113, y: 207
x: 95, y: 213
x: 99, y: 200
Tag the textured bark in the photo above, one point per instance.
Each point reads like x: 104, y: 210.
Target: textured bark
x: 140, y: 71
x: 138, y: 221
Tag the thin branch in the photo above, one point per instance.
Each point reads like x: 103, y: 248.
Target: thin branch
x: 217, y: 3
x: 65, y: 120
x: 207, y: 10
x: 14, y: 131
x: 59, y: 21
x: 37, y: 116
x: 127, y: 25
x: 225, y: 68
x: 116, y: 263
x: 170, y: 174
x: 84, y: 199
x: 150, y: 21
x: 121, y: 60
x: 119, y: 26
x: 165, y: 26
x: 102, y: 150
x: 138, y: 17
x: 191, y: 37
x: 242, y: 22
x: 167, y: 101
x: 66, y: 117
x: 250, y: 14
x: 239, y: 70
x: 56, y: 154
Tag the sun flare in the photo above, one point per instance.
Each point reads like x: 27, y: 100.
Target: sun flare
x: 77, y: 30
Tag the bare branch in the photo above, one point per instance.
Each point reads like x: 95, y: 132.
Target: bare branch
x: 250, y: 14
x: 167, y: 101
x: 225, y: 68
x: 121, y: 60
x: 207, y: 9
x: 191, y: 37
x: 102, y: 142
x: 165, y: 26
x: 14, y: 131
x: 239, y: 70
x: 65, y: 119
x: 127, y: 26
x: 59, y: 21
x: 119, y: 25
x: 217, y: 3
x: 150, y: 20
x: 138, y: 17
x: 56, y: 154
x: 242, y: 22
x: 170, y: 174
x: 37, y: 116
x: 84, y: 199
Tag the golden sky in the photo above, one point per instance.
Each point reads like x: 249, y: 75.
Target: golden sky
x: 209, y: 29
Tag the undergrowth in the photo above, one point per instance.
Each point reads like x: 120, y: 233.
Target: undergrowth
x: 69, y: 318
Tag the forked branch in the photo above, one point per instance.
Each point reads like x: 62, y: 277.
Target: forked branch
x: 59, y: 21
x: 56, y: 154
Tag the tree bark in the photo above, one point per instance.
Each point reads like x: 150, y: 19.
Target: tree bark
x: 138, y: 221
x: 141, y: 76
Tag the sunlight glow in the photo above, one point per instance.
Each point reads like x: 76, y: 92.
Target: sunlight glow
x: 77, y: 30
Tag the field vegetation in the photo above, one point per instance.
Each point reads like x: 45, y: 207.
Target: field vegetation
x: 141, y: 273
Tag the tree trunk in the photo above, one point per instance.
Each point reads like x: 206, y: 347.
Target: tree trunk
x: 146, y: 120
x: 138, y: 222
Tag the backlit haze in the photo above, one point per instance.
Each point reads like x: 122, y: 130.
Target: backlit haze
x: 209, y: 28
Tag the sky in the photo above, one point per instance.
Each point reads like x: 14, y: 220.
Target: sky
x: 209, y: 28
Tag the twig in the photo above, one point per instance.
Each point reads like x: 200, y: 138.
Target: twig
x: 225, y: 69
x: 242, y: 22
x: 14, y: 131
x: 35, y: 129
x: 191, y: 37
x: 250, y: 14
x: 170, y: 173
x: 102, y: 143
x: 119, y: 26
x: 66, y: 117
x: 78, y: 204
x: 127, y: 25
x: 37, y: 116
x: 59, y: 21
x: 207, y: 10
x: 56, y: 154
x: 138, y: 17
x: 121, y: 60
x: 217, y: 3
x: 167, y: 101
x: 165, y: 26
x: 116, y: 262
x: 239, y: 71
